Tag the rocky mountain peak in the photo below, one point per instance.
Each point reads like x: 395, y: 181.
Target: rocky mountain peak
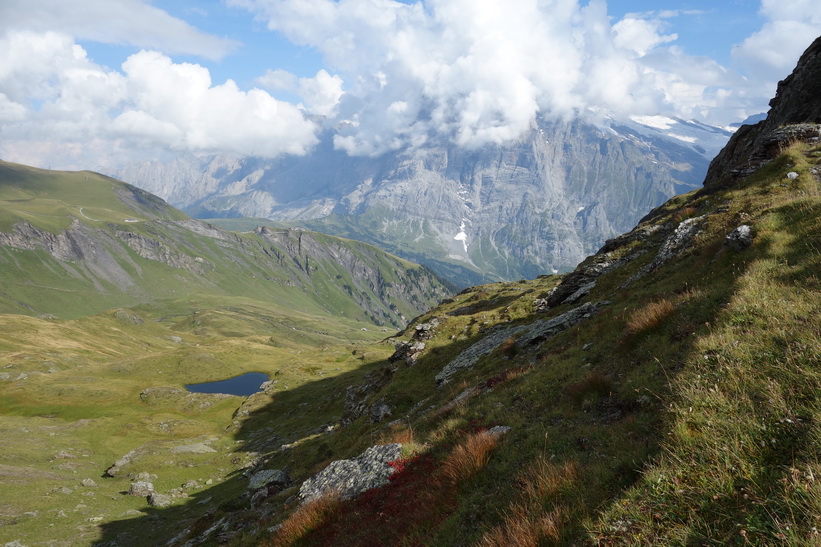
x: 796, y: 99
x: 795, y: 114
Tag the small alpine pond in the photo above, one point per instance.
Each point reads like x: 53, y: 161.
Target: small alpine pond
x: 243, y: 385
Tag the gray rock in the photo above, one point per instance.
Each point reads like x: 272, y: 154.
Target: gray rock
x: 267, y: 477
x: 352, y: 477
x: 792, y: 175
x: 159, y: 500
x: 89, y: 483
x: 499, y: 430
x: 141, y: 489
x: 740, y: 238
x: 534, y: 333
x: 379, y: 411
x: 198, y: 448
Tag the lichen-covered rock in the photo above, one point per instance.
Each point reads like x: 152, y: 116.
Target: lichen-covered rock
x: 740, y: 238
x: 352, y: 477
x: 268, y: 477
x: 141, y: 489
x: 159, y: 500
x: 534, y: 333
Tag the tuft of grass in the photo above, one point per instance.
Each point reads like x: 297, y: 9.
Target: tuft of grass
x: 595, y: 383
x: 526, y: 522
x: 650, y: 316
x: 469, y: 458
x: 306, y: 519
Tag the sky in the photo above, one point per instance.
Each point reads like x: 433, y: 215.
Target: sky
x: 98, y: 83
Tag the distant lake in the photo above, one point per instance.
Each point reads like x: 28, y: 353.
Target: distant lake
x: 243, y: 385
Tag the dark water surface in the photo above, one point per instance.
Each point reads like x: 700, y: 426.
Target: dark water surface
x: 244, y: 385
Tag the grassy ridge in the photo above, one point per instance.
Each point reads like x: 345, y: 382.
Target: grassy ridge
x: 686, y: 411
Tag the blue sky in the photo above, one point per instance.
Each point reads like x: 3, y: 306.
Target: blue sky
x: 109, y: 81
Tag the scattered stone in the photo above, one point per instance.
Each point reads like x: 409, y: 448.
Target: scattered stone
x: 356, y: 397
x: 64, y: 490
x: 587, y: 346
x: 141, y: 489
x: 408, y: 352
x: 267, y: 477
x: 62, y: 455
x: 379, y: 411
x: 15, y: 543
x: 740, y: 238
x: 792, y: 175
x: 89, y: 483
x: 159, y: 500
x: 198, y: 448
x: 94, y: 519
x: 424, y: 331
x: 191, y: 484
x: 499, y: 430
x: 116, y: 469
x: 352, y: 477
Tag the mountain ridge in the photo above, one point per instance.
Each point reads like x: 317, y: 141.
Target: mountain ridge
x: 537, y: 204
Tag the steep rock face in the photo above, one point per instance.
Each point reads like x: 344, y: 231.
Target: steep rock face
x: 795, y: 113
x: 516, y: 210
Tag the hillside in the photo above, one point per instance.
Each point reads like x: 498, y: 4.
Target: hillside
x: 112, y: 302
x: 665, y: 392
x: 76, y: 243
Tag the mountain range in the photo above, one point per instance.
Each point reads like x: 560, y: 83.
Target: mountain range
x: 537, y: 205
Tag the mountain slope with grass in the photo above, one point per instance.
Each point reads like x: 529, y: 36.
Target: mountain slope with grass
x: 665, y: 392
x: 78, y: 243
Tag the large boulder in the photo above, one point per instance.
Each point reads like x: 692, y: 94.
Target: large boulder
x: 352, y: 477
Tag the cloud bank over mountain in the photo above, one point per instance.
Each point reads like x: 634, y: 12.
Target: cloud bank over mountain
x: 397, y: 74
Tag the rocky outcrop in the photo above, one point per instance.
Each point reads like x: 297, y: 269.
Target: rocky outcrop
x: 352, y: 477
x: 526, y: 335
x: 357, y: 397
x: 795, y: 114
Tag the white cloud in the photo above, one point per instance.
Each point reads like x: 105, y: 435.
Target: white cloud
x: 278, y: 79
x: 51, y: 92
x: 126, y: 22
x: 771, y: 53
x: 480, y: 72
x: 319, y: 94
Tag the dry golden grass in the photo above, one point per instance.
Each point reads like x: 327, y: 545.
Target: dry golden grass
x: 684, y: 213
x: 650, y: 316
x: 469, y: 458
x: 526, y: 523
x: 308, y: 517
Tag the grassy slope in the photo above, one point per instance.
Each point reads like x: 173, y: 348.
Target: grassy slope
x: 685, y: 412
x: 247, y: 265
x: 79, y: 392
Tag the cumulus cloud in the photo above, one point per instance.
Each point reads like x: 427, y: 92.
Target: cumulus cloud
x: 319, y: 94
x: 771, y: 53
x: 126, y: 22
x: 51, y: 92
x: 481, y: 72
